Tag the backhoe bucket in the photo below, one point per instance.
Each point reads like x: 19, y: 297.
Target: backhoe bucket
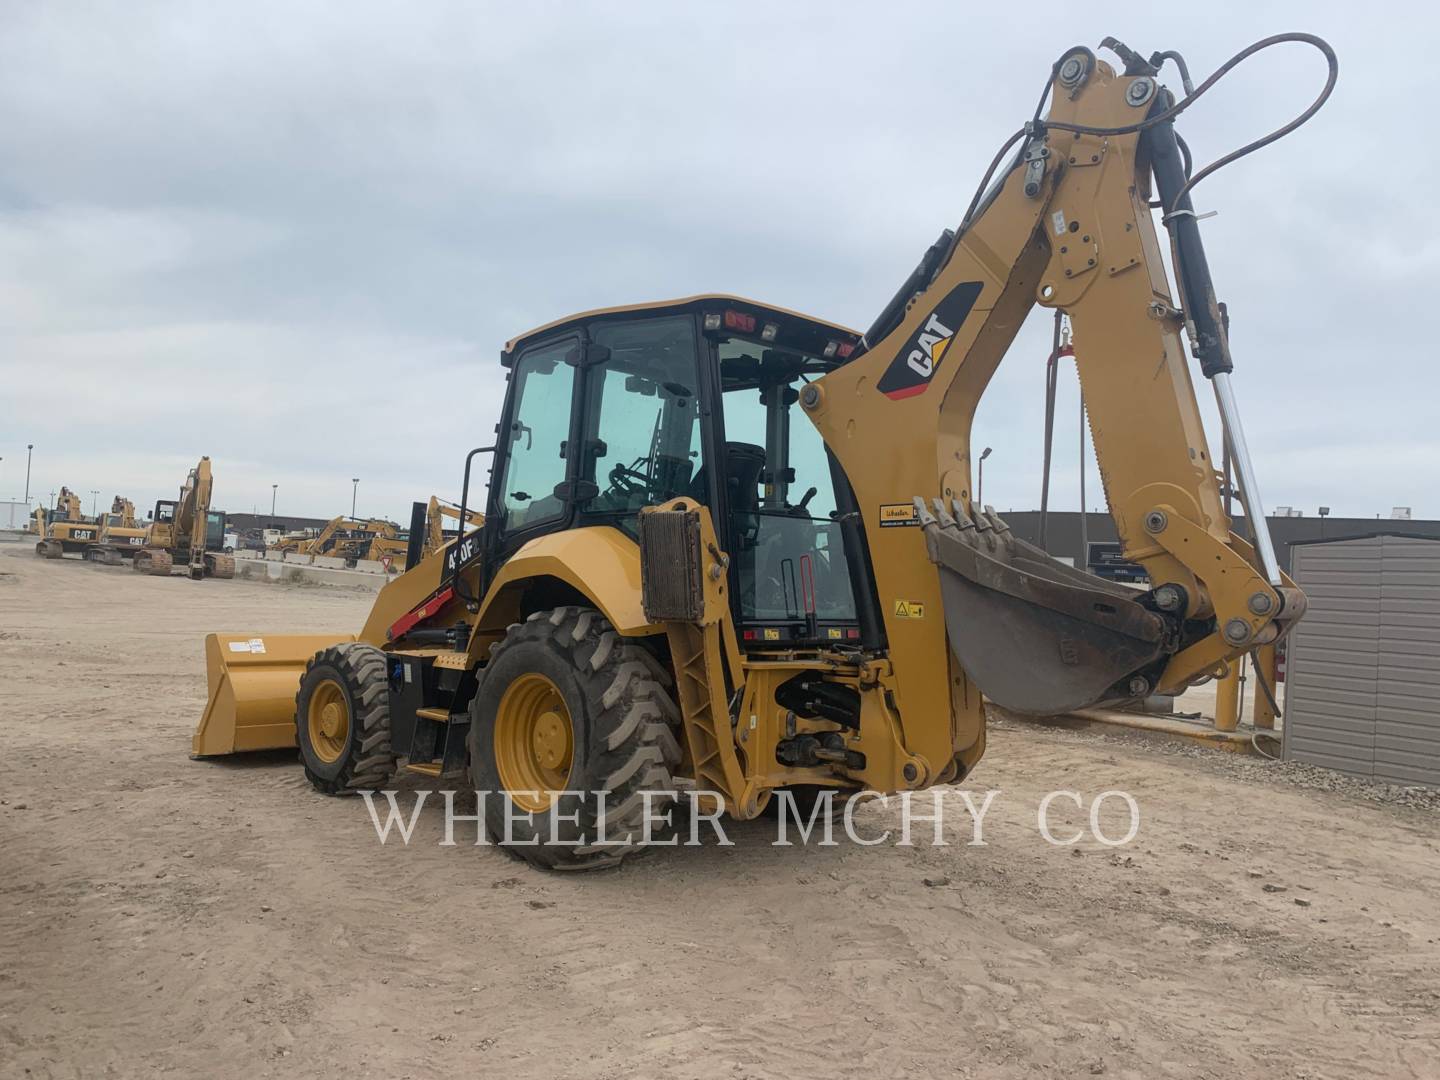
x: 1036, y: 636
x: 253, y: 681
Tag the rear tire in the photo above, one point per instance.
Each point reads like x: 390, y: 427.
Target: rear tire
x: 622, y: 725
x: 342, y: 720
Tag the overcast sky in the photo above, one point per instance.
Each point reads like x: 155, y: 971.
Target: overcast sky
x: 294, y: 236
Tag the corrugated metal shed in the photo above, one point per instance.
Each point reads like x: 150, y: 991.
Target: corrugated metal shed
x: 1363, y: 667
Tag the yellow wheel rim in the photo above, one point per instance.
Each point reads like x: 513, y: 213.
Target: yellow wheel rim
x: 328, y: 719
x: 534, y: 745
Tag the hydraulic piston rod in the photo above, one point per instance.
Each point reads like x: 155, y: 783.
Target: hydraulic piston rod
x: 1204, y: 323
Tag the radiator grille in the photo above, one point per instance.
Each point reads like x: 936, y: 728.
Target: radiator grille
x: 671, y: 589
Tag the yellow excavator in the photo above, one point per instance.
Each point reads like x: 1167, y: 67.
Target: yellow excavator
x: 346, y: 538
x: 64, y: 529
x: 188, y: 530
x: 733, y: 547
x: 120, y: 534
x: 437, y: 511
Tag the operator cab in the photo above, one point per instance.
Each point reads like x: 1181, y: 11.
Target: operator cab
x: 612, y: 411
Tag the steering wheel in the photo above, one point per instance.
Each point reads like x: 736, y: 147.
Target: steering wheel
x: 629, y: 481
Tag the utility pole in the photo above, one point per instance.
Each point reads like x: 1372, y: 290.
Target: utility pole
x: 354, y: 490
x: 28, y: 448
x: 273, y: 489
x: 94, y: 495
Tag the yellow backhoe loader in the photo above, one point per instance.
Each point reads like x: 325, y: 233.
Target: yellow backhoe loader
x: 65, y: 529
x: 186, y: 529
x: 733, y: 546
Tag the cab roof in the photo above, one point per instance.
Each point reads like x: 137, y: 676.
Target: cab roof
x: 705, y: 302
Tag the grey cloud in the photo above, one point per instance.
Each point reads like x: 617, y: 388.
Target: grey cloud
x: 295, y: 238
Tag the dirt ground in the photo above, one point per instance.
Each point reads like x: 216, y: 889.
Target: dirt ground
x: 162, y: 916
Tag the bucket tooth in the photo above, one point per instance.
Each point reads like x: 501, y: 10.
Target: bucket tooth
x: 964, y: 525
x: 942, y: 515
x: 996, y: 521
x: 961, y: 517
x: 922, y: 512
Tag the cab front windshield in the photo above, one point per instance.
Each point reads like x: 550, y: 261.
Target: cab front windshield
x: 783, y: 510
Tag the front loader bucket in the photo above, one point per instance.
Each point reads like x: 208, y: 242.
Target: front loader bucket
x: 1036, y: 636
x: 253, y: 681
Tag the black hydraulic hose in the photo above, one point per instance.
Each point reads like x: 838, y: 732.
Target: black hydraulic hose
x: 1265, y: 685
x: 1332, y: 62
x: 1175, y: 110
x: 1159, y: 58
x: 985, y: 182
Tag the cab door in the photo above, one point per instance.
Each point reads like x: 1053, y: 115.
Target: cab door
x: 530, y: 482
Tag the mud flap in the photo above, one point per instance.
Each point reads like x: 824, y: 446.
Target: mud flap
x: 1036, y: 636
x: 253, y: 681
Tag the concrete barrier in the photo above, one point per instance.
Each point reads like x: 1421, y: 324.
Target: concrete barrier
x: 374, y: 566
x: 299, y: 574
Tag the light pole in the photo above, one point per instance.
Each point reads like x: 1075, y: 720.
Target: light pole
x: 273, y: 489
x: 980, y: 484
x: 28, y: 447
x: 354, y: 490
x: 94, y: 495
x: 1324, y: 513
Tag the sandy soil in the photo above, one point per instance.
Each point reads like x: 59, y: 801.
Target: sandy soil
x: 165, y: 916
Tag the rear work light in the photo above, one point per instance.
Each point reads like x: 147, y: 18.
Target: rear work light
x: 770, y: 331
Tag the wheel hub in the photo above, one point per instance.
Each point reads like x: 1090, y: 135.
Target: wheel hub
x: 552, y: 735
x: 534, y: 741
x: 331, y: 720
x: 328, y: 721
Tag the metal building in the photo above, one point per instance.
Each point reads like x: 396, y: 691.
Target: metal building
x: 1362, y: 668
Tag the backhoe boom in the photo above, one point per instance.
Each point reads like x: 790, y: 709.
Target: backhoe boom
x: 1070, y: 227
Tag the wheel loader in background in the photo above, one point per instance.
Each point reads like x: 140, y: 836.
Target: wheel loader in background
x: 187, y: 530
x: 731, y: 546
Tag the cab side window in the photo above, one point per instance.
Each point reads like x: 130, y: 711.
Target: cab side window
x: 535, y: 441
x: 644, y: 424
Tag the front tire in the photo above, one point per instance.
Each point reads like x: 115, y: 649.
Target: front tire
x: 567, y: 709
x: 342, y: 720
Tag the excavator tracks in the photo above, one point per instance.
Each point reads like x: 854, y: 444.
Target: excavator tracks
x: 154, y: 562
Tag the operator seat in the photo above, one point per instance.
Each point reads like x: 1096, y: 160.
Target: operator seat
x: 744, y: 462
